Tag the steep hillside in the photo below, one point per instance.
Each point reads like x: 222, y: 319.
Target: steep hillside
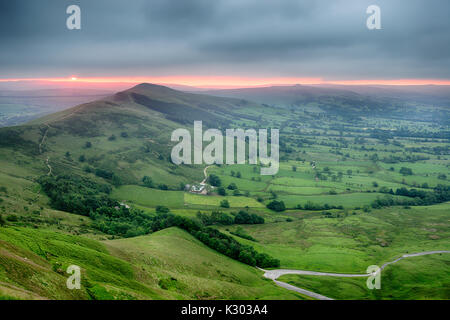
x: 127, y: 134
x: 33, y: 265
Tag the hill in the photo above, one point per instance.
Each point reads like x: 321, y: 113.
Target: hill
x: 429, y: 103
x: 33, y: 264
x: 98, y: 179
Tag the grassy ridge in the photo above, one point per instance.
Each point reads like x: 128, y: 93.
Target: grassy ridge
x: 33, y: 264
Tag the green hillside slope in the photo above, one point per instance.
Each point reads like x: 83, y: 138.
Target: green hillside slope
x: 33, y: 264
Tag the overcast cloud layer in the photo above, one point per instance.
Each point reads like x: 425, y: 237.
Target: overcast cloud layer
x: 277, y: 38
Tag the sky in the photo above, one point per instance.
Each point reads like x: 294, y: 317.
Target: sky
x: 226, y: 42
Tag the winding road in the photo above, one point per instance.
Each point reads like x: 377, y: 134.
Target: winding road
x: 275, y: 274
x: 206, y: 175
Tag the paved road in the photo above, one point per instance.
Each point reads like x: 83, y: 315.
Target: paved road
x: 302, y: 291
x: 275, y: 274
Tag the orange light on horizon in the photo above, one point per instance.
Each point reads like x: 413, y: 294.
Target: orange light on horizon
x: 230, y: 81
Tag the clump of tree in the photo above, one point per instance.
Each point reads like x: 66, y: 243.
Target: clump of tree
x: 406, y: 171
x: 232, y: 186
x: 108, y: 175
x: 218, y: 217
x: 76, y: 194
x: 214, y: 180
x: 221, y: 191
x: 276, y: 205
x: 318, y: 207
x: 440, y: 194
x: 163, y: 186
x: 243, y: 217
x: 162, y: 209
x: 224, y: 204
x: 148, y: 182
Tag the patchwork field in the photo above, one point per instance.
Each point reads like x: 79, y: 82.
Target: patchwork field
x: 353, y: 190
x: 350, y: 244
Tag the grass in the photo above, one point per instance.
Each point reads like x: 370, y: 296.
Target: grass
x: 149, y: 197
x: 145, y: 267
x: 33, y: 264
x: 347, y: 200
x: 162, y: 258
x: 418, y: 278
x: 351, y: 243
x: 214, y: 201
x: 31, y: 260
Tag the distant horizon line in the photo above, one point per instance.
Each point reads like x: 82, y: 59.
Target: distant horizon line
x: 226, y: 82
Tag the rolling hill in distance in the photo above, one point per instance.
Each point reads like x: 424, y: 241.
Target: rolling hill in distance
x: 363, y: 179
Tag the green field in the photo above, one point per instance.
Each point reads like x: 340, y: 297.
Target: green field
x: 235, y: 202
x: 149, y: 197
x: 419, y: 278
x: 352, y: 243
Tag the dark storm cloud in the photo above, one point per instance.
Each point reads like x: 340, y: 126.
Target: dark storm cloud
x: 291, y: 38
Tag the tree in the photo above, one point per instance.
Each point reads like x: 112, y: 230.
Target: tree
x: 238, y: 174
x: 148, y: 182
x: 162, y: 209
x: 294, y: 168
x: 243, y: 217
x: 406, y: 171
x: 82, y: 158
x: 224, y: 204
x: 221, y: 191
x: 163, y: 186
x: 88, y: 144
x: 214, y: 180
x: 276, y: 205
x: 112, y: 137
x: 232, y: 186
x: 2, y: 221
x: 124, y: 135
x: 246, y: 257
x: 375, y: 184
